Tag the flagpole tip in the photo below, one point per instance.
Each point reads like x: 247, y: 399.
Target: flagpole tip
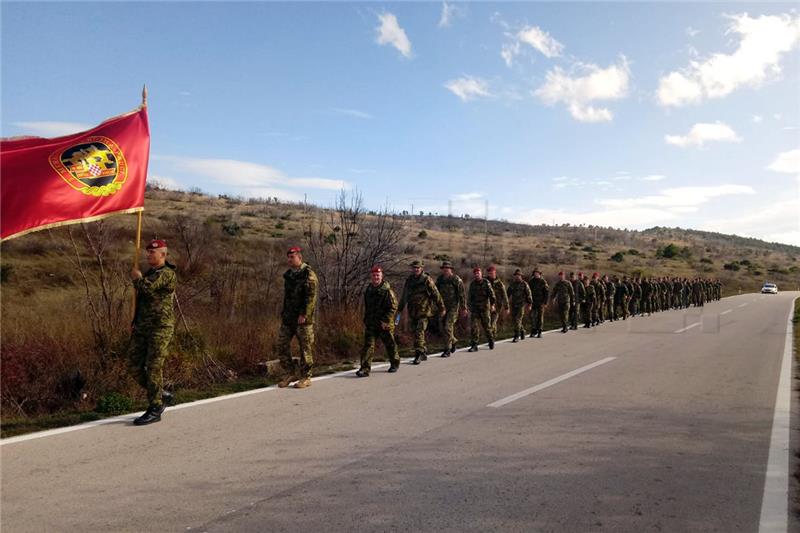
x: 144, y: 95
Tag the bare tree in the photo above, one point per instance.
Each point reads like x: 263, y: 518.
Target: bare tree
x: 345, y: 242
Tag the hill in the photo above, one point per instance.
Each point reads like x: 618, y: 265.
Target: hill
x: 66, y: 298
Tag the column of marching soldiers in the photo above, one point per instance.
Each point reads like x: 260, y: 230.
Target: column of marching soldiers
x: 592, y: 300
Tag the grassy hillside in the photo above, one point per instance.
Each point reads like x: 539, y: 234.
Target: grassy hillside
x: 66, y: 297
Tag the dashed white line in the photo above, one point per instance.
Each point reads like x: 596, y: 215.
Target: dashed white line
x: 726, y: 312
x: 741, y: 305
x: 774, y: 504
x: 550, y: 383
x: 687, y: 328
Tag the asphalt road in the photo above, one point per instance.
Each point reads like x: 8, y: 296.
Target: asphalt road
x: 660, y: 430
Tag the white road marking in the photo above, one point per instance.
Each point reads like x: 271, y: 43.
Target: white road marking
x: 550, y: 383
x: 726, y: 312
x: 774, y: 504
x: 687, y: 328
x: 741, y: 305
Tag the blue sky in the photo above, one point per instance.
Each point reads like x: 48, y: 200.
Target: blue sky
x: 618, y: 114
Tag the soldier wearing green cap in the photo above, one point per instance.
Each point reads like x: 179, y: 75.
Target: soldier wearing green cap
x: 421, y: 296
x: 500, y: 294
x: 454, y: 296
x: 481, y: 301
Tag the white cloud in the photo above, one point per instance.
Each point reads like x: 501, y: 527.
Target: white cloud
x: 691, y: 32
x: 580, y: 92
x: 654, y: 177
x: 352, y: 113
x: 361, y: 170
x: 787, y: 162
x: 52, y: 128
x: 678, y: 197
x: 447, y: 15
x: 757, y: 119
x: 702, y: 133
x: 536, y: 38
x: 164, y: 182
x: 468, y: 88
x: 763, y: 42
x: 252, y: 179
x: 775, y: 222
x: 390, y: 32
x: 468, y: 196
x: 632, y: 218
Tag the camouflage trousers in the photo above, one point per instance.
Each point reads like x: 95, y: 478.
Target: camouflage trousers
x: 480, y: 318
x: 574, y: 313
x: 150, y: 350
x: 609, y: 308
x: 596, y: 312
x: 587, y: 314
x: 517, y: 314
x: 371, y: 334
x: 622, y: 303
x: 537, y: 318
x: 283, y: 345
x: 449, y: 325
x: 419, y: 326
x: 633, y: 306
x: 493, y: 316
x: 600, y: 312
x: 563, y: 313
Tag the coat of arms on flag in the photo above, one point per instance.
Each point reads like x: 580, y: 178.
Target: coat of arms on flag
x: 96, y: 166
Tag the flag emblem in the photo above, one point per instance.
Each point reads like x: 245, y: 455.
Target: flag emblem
x: 95, y: 166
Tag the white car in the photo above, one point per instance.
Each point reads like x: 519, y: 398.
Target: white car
x: 769, y: 288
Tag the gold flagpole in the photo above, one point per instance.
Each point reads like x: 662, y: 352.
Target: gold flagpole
x: 138, y: 222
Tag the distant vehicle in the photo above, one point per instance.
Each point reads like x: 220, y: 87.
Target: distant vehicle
x: 769, y: 288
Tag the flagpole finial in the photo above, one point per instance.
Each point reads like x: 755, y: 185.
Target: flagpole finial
x: 144, y: 95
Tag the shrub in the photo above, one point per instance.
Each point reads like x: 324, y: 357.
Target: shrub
x: 618, y: 257
x: 422, y: 234
x: 233, y: 229
x: 734, y: 266
x: 114, y: 403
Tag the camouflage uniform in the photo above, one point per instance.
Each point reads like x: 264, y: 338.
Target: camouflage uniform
x: 299, y: 299
x: 421, y: 296
x: 502, y: 301
x: 519, y: 295
x: 589, y: 307
x: 540, y: 292
x: 564, y: 295
x: 646, y: 296
x: 580, y: 301
x: 599, y: 298
x: 454, y: 298
x: 380, y: 308
x: 480, y: 300
x: 621, y: 299
x: 153, y: 325
x: 611, y: 289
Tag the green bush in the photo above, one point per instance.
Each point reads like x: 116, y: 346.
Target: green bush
x: 618, y: 257
x: 422, y: 234
x: 114, y: 403
x: 233, y: 229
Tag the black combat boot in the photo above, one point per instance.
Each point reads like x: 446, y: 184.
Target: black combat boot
x: 361, y: 373
x: 393, y: 367
x: 417, y: 358
x: 491, y: 344
x: 538, y: 334
x: 514, y: 340
x: 167, y: 398
x: 446, y: 352
x: 453, y: 348
x: 473, y: 348
x: 533, y: 333
x: 153, y: 414
x: 522, y: 335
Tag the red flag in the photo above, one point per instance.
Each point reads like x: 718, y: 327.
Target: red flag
x: 76, y: 178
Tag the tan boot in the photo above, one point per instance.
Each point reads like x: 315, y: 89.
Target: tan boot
x: 288, y: 378
x: 303, y: 383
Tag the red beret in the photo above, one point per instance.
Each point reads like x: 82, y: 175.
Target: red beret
x: 294, y: 250
x: 580, y: 273
x: 491, y: 268
x: 376, y: 268
x: 596, y: 275
x: 155, y: 244
x: 561, y: 273
x: 476, y: 269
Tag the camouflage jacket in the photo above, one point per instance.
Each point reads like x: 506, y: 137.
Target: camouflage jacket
x: 599, y: 290
x: 453, y: 293
x: 500, y: 293
x: 591, y: 295
x: 637, y: 290
x: 155, y: 295
x: 645, y: 289
x: 563, y: 292
x: 380, y: 305
x: 421, y: 296
x: 299, y: 294
x: 519, y: 294
x: 540, y: 291
x: 579, y: 290
x: 481, y: 296
x: 622, y: 291
x: 611, y: 290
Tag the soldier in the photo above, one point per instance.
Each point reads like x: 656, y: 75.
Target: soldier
x: 646, y: 296
x: 380, y: 308
x: 297, y: 319
x: 636, y: 298
x: 454, y: 297
x: 520, y: 300
x: 499, y: 293
x: 580, y: 297
x: 611, y: 289
x: 564, y: 295
x: 621, y: 297
x: 599, y: 298
x: 152, y: 328
x: 480, y: 303
x: 421, y: 296
x: 540, y: 292
x: 588, y: 308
